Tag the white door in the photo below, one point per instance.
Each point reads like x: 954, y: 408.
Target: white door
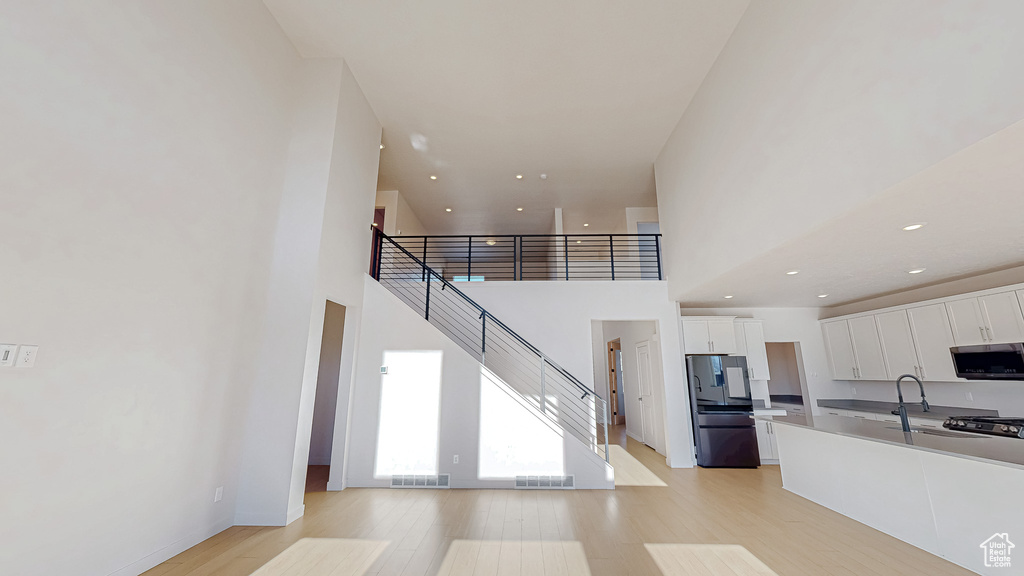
x: 1003, y: 320
x: 840, y: 349
x: 930, y: 327
x: 646, y: 389
x: 898, y: 344
x: 966, y: 322
x: 868, y: 349
x: 722, y: 335
x: 695, y: 337
x: 756, y: 352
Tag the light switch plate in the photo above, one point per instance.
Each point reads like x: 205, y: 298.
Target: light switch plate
x: 7, y: 354
x: 26, y: 357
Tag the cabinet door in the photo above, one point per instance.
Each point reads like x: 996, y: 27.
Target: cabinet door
x: 757, y: 353
x: 741, y: 341
x: 898, y: 343
x: 695, y: 337
x: 840, y: 350
x: 722, y: 334
x: 934, y: 338
x: 966, y: 323
x: 868, y: 349
x: 1003, y: 319
x: 764, y: 440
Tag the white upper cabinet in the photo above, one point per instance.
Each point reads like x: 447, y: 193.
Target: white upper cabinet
x: 709, y: 335
x: 754, y: 349
x: 986, y: 319
x: 898, y: 344
x: 933, y: 339
x: 1003, y: 320
x: 867, y: 347
x: 839, y: 346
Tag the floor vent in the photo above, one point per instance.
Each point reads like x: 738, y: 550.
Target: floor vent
x: 420, y: 481
x: 546, y: 482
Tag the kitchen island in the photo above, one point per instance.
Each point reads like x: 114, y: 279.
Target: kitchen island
x: 948, y: 493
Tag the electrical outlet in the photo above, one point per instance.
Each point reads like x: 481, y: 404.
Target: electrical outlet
x: 7, y: 354
x: 969, y: 396
x: 455, y: 460
x: 218, y: 494
x: 26, y: 357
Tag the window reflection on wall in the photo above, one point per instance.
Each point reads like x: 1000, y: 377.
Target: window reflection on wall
x: 515, y: 439
x: 410, y: 398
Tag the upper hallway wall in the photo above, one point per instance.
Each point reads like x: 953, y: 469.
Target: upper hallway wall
x: 814, y: 106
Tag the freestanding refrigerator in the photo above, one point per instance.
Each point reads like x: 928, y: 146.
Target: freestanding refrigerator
x: 722, y: 412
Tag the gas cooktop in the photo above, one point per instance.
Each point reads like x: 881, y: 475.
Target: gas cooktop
x: 994, y: 425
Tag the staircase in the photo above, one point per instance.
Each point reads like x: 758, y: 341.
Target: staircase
x: 553, y: 392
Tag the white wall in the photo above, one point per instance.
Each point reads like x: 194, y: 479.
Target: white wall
x: 321, y: 437
x: 556, y: 317
x: 321, y: 252
x: 820, y: 104
x: 144, y: 148
x: 792, y: 325
x: 629, y: 334
x: 389, y: 324
x: 634, y: 215
x: 399, y: 219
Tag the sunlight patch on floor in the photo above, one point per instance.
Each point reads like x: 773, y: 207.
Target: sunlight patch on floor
x: 629, y: 471
x: 706, y: 559
x: 471, y: 557
x: 323, y: 557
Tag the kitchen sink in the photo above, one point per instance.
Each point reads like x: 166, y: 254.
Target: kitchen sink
x: 936, y: 432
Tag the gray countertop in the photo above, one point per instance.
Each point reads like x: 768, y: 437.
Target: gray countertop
x: 991, y: 449
x: 913, y: 408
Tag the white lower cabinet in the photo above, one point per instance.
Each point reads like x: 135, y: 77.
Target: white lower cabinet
x: 767, y: 446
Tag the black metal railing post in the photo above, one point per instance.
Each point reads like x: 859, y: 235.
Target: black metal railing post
x: 657, y: 252
x: 565, y: 247
x: 611, y: 253
x: 483, y: 337
x: 424, y: 255
x: 515, y: 259
x: 426, y: 308
x: 469, y: 258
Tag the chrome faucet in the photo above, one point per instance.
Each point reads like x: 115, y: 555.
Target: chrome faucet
x: 904, y: 420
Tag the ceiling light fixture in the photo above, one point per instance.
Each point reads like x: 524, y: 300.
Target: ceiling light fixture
x: 912, y: 227
x: 491, y: 242
x: 793, y: 272
x: 822, y: 295
x: 728, y: 297
x: 447, y: 209
x: 916, y: 271
x: 519, y: 209
x: 585, y: 225
x: 374, y: 224
x: 432, y: 177
x: 579, y: 241
x: 543, y: 176
x: 381, y: 146
x: 519, y: 176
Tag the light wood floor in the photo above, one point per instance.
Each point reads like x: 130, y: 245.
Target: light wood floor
x: 714, y: 522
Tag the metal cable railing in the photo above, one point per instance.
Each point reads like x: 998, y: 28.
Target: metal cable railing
x: 539, y: 257
x: 557, y: 395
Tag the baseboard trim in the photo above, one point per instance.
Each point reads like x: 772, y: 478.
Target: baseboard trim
x: 295, y: 513
x: 260, y: 520
x: 335, y: 486
x: 173, y: 549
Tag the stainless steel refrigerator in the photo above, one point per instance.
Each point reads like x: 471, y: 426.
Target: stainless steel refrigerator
x: 722, y: 410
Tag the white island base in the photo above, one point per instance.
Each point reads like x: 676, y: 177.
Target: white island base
x: 959, y: 506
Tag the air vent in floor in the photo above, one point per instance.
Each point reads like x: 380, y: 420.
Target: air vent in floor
x: 420, y: 481
x: 546, y: 482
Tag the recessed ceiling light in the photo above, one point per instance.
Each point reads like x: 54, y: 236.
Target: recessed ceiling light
x: 447, y: 209
x: 728, y: 297
x: 822, y: 295
x: 432, y: 177
x: 374, y: 224
x: 519, y: 209
x: 519, y: 176
x: 381, y: 146
x: 793, y: 272
x: 579, y: 241
x: 543, y: 176
x: 916, y: 271
x: 586, y: 225
x: 491, y: 242
x: 910, y: 227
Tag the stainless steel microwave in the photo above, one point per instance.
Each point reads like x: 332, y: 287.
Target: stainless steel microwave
x: 989, y: 361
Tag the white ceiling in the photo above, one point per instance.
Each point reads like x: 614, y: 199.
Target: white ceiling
x: 973, y: 203
x: 584, y: 91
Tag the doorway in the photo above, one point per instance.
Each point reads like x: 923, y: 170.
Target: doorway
x: 616, y: 405
x: 787, y: 384
x: 321, y: 440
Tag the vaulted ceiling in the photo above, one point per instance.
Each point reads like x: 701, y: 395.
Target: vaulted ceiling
x: 578, y: 97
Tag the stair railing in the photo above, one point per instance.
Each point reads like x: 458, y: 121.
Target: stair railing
x: 557, y: 395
